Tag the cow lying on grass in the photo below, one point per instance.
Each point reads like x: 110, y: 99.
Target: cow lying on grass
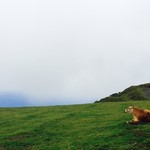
x: 139, y: 115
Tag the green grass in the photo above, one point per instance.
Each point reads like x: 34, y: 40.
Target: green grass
x: 100, y: 126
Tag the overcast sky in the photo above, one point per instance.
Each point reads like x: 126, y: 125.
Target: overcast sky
x: 65, y: 51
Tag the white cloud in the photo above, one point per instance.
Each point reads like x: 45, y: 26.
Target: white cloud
x: 73, y: 52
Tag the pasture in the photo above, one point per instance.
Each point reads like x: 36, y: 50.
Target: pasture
x: 100, y: 126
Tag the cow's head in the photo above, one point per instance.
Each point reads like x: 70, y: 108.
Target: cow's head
x: 129, y: 109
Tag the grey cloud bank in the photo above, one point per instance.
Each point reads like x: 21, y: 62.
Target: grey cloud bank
x: 64, y: 52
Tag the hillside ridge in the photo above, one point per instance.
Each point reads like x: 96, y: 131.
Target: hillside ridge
x: 134, y: 92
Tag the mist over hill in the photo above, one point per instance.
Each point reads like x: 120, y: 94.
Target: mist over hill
x: 13, y: 100
x: 21, y: 100
x: 139, y: 92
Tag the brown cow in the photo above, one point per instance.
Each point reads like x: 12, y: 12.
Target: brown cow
x: 139, y: 115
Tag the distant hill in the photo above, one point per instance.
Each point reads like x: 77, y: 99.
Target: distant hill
x: 12, y: 100
x: 139, y: 92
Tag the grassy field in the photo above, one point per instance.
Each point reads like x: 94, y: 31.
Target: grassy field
x: 100, y: 126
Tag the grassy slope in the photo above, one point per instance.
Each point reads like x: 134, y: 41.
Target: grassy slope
x: 92, y: 126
